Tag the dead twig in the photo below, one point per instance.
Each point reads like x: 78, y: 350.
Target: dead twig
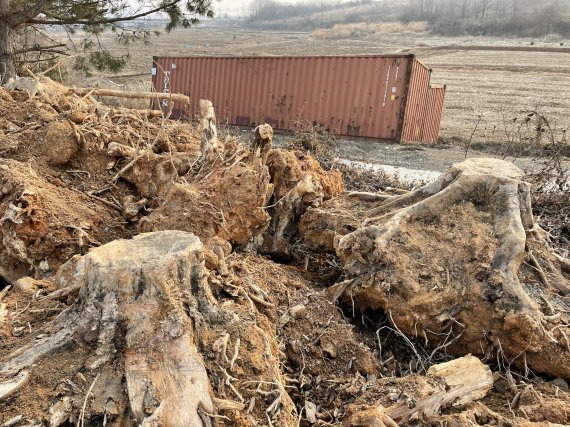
x: 4, y: 291
x: 538, y: 268
x: 60, y: 293
x: 224, y: 404
x: 82, y: 414
x: 235, y: 355
x: 468, y: 146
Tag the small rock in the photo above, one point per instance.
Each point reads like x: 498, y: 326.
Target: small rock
x: 561, y: 383
x: 60, y: 412
x: 299, y: 311
x: 60, y: 143
x: 111, y: 408
x: 393, y: 396
x: 311, y: 412
x: 131, y: 207
x: 329, y: 347
x: 6, y: 189
x: 44, y: 266
x: 18, y: 331
x: 77, y: 117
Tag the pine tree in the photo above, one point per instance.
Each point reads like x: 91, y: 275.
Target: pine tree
x: 23, y: 26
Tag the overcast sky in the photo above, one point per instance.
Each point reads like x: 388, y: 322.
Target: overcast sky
x: 229, y: 6
x: 235, y: 6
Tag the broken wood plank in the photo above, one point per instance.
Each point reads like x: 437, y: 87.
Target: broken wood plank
x: 465, y: 380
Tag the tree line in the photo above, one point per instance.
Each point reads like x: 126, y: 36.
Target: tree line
x: 516, y: 17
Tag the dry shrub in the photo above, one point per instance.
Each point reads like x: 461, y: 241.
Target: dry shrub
x: 551, y: 182
x: 361, y: 178
x: 322, y: 144
x: 316, y: 140
x: 527, y: 133
x: 345, y: 31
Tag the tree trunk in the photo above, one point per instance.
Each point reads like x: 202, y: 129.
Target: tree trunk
x: 7, y: 64
x: 134, y: 322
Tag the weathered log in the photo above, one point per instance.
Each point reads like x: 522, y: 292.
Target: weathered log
x: 453, y: 384
x: 464, y: 380
x: 175, y: 97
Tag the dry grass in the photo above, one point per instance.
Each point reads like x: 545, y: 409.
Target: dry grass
x: 499, y: 86
x: 346, y: 31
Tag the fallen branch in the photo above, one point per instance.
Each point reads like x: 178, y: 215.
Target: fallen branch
x: 82, y: 416
x: 10, y: 387
x: 466, y: 380
x: 225, y: 404
x: 177, y: 97
x: 60, y: 293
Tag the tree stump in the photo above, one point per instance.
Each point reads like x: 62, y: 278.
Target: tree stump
x: 137, y: 303
x: 462, y: 263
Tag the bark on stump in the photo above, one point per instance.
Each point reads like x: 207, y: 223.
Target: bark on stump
x: 137, y: 302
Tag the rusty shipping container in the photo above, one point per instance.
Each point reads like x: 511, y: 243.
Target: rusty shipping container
x: 433, y: 113
x: 383, y: 97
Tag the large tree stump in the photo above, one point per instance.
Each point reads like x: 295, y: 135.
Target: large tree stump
x: 134, y: 315
x: 461, y: 263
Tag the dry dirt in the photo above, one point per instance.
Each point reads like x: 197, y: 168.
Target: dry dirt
x: 291, y: 354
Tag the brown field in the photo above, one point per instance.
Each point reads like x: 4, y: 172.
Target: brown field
x: 494, y: 78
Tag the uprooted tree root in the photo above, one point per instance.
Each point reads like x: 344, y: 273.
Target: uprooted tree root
x: 195, y: 327
x: 462, y: 263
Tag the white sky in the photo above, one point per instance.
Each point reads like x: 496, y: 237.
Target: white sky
x: 231, y: 7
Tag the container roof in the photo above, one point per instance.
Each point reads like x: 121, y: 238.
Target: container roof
x: 396, y: 55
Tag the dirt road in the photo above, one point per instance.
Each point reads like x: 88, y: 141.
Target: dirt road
x: 413, y: 156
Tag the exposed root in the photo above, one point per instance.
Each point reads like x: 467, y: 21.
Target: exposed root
x: 378, y: 253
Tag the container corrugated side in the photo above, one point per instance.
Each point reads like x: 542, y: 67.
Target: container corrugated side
x: 352, y: 96
x: 416, y: 99
x: 433, y: 113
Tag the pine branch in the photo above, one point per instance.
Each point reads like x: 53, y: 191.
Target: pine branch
x: 73, y: 21
x: 39, y: 48
x: 24, y: 16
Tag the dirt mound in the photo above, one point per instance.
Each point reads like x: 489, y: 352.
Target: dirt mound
x: 57, y: 176
x: 228, y: 202
x: 189, y: 324
x: 287, y: 168
x: 43, y: 224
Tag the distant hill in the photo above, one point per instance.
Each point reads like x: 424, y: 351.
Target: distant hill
x: 446, y: 17
x: 306, y: 17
